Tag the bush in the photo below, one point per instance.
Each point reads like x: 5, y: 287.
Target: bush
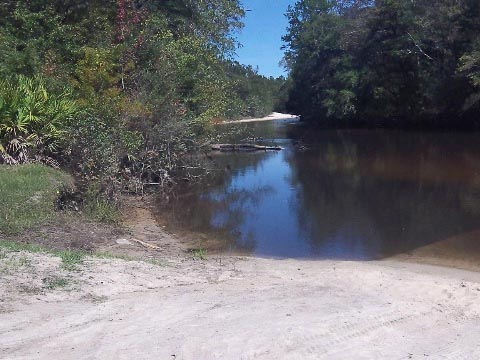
x: 32, y: 120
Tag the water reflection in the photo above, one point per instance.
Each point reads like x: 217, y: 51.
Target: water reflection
x: 349, y: 195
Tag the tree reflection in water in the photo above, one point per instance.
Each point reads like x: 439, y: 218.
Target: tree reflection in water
x: 218, y: 207
x: 371, y: 194
x: 349, y: 195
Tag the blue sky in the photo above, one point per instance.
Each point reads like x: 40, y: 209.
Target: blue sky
x: 262, y: 35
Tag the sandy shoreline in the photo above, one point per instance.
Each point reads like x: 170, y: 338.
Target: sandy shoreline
x: 244, y: 308
x: 229, y: 307
x: 271, y: 117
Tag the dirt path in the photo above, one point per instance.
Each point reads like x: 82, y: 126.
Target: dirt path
x: 234, y: 308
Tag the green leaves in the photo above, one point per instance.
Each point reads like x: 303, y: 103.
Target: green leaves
x: 470, y: 65
x: 385, y: 59
x: 147, y: 78
x: 32, y: 122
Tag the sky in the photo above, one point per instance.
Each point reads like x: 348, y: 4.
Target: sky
x: 261, y: 38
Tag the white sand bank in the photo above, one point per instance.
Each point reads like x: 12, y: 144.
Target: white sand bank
x: 273, y: 116
x: 242, y: 309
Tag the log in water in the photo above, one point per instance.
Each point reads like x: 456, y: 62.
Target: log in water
x: 244, y: 147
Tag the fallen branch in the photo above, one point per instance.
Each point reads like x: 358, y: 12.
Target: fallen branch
x: 147, y: 245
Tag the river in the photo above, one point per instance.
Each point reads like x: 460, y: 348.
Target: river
x: 334, y: 194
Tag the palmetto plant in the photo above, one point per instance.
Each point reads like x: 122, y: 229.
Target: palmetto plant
x: 32, y: 120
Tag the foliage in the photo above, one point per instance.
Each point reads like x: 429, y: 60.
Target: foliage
x: 146, y: 82
x: 32, y: 120
x: 470, y: 66
x: 383, y: 60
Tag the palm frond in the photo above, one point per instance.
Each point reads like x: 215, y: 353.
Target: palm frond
x: 32, y: 121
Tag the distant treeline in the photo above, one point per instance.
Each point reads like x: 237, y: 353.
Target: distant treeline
x: 118, y: 91
x: 385, y: 62
x: 255, y: 95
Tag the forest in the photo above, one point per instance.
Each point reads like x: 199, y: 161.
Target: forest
x: 387, y: 63
x: 117, y: 92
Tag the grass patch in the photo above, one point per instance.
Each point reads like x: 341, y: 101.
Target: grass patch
x: 199, y: 254
x: 12, y: 263
x: 102, y: 211
x: 13, y: 246
x: 55, y: 283
x: 71, y: 259
x: 27, y: 196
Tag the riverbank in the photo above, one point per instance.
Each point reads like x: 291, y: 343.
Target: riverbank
x: 273, y: 116
x: 178, y: 304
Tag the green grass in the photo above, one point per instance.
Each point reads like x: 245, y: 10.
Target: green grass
x: 27, y: 196
x: 71, y: 259
x: 102, y: 211
x: 55, y: 283
x: 200, y: 254
x: 13, y: 246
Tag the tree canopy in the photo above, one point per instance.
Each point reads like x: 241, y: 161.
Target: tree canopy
x: 384, y: 61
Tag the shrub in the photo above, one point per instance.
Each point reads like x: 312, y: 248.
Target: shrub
x: 32, y: 120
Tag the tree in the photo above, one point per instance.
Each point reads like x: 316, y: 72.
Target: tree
x: 383, y: 60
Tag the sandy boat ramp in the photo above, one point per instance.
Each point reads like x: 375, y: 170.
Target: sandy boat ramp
x: 239, y: 308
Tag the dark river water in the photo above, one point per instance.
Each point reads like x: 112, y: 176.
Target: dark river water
x: 351, y: 195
